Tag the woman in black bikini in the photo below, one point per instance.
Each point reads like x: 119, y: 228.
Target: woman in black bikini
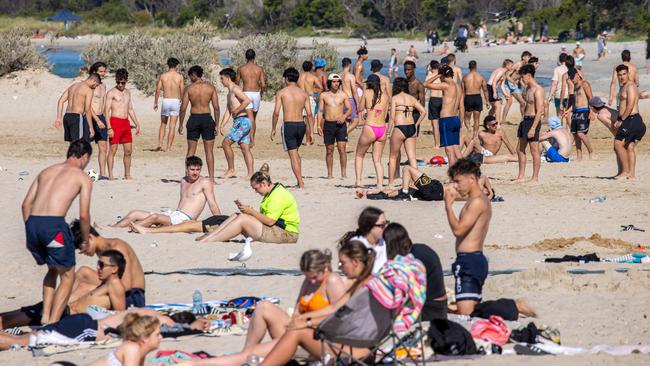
x: 401, y: 117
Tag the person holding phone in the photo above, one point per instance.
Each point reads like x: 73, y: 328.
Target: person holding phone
x: 277, y: 221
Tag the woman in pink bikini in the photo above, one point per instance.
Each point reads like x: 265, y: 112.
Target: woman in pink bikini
x: 374, y: 107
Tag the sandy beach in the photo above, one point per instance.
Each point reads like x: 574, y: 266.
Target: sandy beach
x: 588, y: 309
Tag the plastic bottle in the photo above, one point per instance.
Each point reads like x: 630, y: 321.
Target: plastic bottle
x: 598, y: 199
x: 197, y: 302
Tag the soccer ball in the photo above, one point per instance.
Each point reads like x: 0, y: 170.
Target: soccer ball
x: 92, y: 173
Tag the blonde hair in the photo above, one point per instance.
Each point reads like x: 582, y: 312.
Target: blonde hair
x: 136, y: 327
x: 316, y: 260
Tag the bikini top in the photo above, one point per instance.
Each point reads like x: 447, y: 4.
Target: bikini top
x: 406, y: 110
x: 315, y: 302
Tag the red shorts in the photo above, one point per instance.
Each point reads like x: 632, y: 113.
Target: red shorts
x: 121, y: 131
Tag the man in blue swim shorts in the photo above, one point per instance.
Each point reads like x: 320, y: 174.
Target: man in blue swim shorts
x: 449, y: 124
x: 240, y: 132
x: 512, y: 86
x: 49, y: 238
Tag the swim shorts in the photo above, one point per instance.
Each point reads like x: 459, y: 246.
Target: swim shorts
x: 449, y: 131
x: 553, y: 156
x: 524, y: 127
x: 50, y: 241
x: 135, y: 298
x: 355, y: 113
x: 473, y: 103
x: 213, y: 221
x: 513, y: 88
x: 334, y: 132
x: 200, y: 126
x: 35, y: 313
x: 580, y: 120
x: 170, y: 107
x: 255, y: 98
x: 560, y: 103
x: 492, y: 95
x: 176, y: 216
x: 435, y: 106
x: 313, y: 100
x: 632, y: 129
x: 240, y: 130
x: 470, y: 271
x: 427, y: 189
x: 78, y: 327
x: 75, y: 127
x: 292, y: 134
x: 276, y: 234
x: 121, y: 131
x: 101, y: 134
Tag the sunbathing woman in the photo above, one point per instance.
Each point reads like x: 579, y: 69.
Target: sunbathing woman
x: 140, y: 334
x: 375, y: 105
x: 405, y: 128
x: 276, y: 222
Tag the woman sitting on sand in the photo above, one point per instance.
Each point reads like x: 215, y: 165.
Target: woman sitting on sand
x: 370, y: 230
x: 402, y: 105
x: 375, y: 105
x: 277, y: 220
x: 140, y: 334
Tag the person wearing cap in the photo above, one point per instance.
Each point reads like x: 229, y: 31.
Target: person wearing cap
x: 556, y: 142
x: 629, y: 124
x: 319, y: 70
x: 603, y: 113
x: 633, y: 75
x: 349, y: 87
x: 579, y: 111
x: 579, y: 55
x: 335, y: 110
x: 312, y: 84
x: 375, y: 68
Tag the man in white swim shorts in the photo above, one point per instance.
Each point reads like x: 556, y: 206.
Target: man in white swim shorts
x: 251, y: 75
x: 172, y: 84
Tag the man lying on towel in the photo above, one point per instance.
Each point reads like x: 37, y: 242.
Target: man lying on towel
x: 109, y: 294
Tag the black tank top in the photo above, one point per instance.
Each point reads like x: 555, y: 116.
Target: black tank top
x: 614, y: 114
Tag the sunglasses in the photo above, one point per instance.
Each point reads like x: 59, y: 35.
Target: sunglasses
x: 101, y: 265
x: 383, y: 224
x: 121, y: 83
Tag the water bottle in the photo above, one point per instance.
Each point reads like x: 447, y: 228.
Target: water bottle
x: 197, y: 302
x: 598, y: 199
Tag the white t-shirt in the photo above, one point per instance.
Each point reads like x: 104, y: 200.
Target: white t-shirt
x: 380, y: 252
x: 557, y: 76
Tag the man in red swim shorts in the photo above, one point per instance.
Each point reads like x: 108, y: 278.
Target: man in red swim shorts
x: 119, y: 108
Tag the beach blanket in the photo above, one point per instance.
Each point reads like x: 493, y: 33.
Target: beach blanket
x: 214, y: 304
x: 48, y: 350
x: 556, y: 349
x: 630, y: 258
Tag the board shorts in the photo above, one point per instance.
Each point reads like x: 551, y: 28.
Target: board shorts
x: 75, y: 127
x: 77, y: 328
x: 554, y: 156
x: 473, y: 103
x: 470, y: 271
x: 175, y: 216
x: 513, y: 88
x: 560, y: 103
x: 35, y: 313
x: 277, y: 235
x: 101, y: 134
x: 334, y: 132
x: 493, y: 95
x: 580, y: 120
x: 240, y: 130
x: 135, y: 298
x: 213, y: 221
x: 632, y: 129
x: 427, y: 189
x: 50, y: 241
x: 524, y: 127
x: 256, y: 98
x: 121, y: 131
x: 200, y: 126
x: 449, y: 131
x: 292, y: 134
x: 170, y: 107
x: 434, y: 107
x: 353, y: 105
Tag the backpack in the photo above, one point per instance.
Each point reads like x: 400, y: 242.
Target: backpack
x: 450, y: 338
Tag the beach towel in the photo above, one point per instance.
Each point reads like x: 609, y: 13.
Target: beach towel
x: 208, y: 306
x: 631, y: 258
x: 165, y: 356
x: 49, y: 350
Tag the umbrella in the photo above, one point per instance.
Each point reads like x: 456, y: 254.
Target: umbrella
x: 64, y: 16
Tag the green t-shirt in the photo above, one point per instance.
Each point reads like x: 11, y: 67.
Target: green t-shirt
x: 280, y: 205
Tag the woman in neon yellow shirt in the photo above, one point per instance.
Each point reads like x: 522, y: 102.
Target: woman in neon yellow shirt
x: 277, y: 221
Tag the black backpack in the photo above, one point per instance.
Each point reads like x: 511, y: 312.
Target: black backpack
x: 449, y: 338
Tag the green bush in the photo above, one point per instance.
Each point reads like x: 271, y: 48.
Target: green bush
x: 141, y: 18
x: 145, y: 56
x: 329, y: 53
x: 114, y: 11
x: 201, y: 28
x: 275, y: 52
x: 17, y: 52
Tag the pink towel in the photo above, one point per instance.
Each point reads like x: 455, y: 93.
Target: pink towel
x: 493, y: 330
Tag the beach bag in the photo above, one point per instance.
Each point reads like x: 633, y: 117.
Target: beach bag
x: 450, y: 338
x: 492, y: 330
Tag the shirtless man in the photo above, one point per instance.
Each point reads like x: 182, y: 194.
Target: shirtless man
x: 416, y: 89
x: 311, y: 84
x: 435, y: 102
x: 49, y: 238
x: 331, y: 119
x: 172, y: 84
x: 242, y: 126
x: 118, y: 109
x: 494, y: 84
x: 556, y: 142
x: 486, y: 145
x: 458, y: 73
x: 99, y: 120
x: 196, y: 191
x: 633, y: 75
x: 349, y: 86
x: 201, y: 123
x: 470, y: 229
x: 253, y: 80
x: 79, y: 97
x: 580, y: 112
x: 319, y: 71
x: 293, y: 101
x: 631, y: 128
x: 451, y: 109
x: 556, y: 85
x: 512, y: 88
x: 393, y: 68
x: 579, y: 55
x: 362, y: 55
x: 375, y: 68
x: 472, y: 84
x: 528, y: 131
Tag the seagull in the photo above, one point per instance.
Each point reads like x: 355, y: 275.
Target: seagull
x: 245, y: 254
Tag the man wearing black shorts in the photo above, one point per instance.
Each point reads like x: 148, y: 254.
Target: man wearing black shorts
x: 473, y: 84
x: 528, y: 130
x: 200, y: 124
x: 79, y: 111
x: 631, y: 128
x: 435, y: 103
x: 293, y: 100
x: 190, y: 226
x: 331, y: 122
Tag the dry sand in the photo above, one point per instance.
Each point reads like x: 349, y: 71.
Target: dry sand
x: 608, y: 308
